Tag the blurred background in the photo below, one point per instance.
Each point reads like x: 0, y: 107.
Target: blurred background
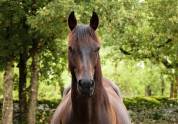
x: 139, y: 53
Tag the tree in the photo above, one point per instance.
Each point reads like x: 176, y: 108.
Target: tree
x: 126, y: 26
x: 52, y: 25
x: 8, y: 48
x: 141, y: 30
x: 33, y: 84
x: 16, y: 41
x: 46, y: 27
x: 7, y: 110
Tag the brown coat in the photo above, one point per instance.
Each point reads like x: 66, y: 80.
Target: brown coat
x: 112, y: 111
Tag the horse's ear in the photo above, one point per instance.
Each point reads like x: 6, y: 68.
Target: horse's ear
x: 94, y: 21
x: 72, y: 22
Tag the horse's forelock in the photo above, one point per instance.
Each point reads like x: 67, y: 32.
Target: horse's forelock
x: 82, y: 33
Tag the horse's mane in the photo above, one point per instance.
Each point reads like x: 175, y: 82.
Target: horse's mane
x: 82, y: 33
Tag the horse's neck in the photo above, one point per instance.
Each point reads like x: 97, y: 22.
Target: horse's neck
x: 87, y: 109
x: 90, y: 110
x: 84, y: 109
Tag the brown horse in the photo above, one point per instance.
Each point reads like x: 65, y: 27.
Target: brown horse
x: 91, y: 99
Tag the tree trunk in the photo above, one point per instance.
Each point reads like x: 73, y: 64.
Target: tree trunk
x: 22, y: 87
x: 176, y: 86
x: 148, y: 91
x: 162, y: 85
x: 33, y: 88
x: 176, y: 82
x: 61, y: 88
x: 7, y: 110
x: 32, y: 101
x: 175, y: 90
x: 171, y: 89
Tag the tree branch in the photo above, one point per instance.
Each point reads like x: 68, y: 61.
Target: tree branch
x: 124, y: 51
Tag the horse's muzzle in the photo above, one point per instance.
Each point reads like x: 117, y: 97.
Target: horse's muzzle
x: 86, y: 87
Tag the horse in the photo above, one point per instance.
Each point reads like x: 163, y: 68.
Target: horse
x: 91, y: 99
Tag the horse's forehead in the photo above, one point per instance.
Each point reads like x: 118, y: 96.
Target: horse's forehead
x: 83, y: 36
x: 83, y: 42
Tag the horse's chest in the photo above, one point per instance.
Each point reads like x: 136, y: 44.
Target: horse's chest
x: 101, y: 117
x: 104, y: 116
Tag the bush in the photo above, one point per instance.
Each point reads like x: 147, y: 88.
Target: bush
x: 145, y: 110
x: 149, y: 110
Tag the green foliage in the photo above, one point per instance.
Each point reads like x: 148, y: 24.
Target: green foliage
x: 51, y: 22
x: 132, y: 76
x: 9, y: 23
x: 146, y: 110
x: 152, y: 109
x: 52, y: 19
x: 133, y: 32
x: 142, y: 102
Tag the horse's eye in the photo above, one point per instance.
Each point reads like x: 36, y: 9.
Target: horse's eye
x: 70, y: 49
x: 97, y: 49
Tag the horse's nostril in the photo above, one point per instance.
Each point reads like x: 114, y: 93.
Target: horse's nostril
x: 85, y: 84
x: 80, y: 83
x: 92, y: 83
